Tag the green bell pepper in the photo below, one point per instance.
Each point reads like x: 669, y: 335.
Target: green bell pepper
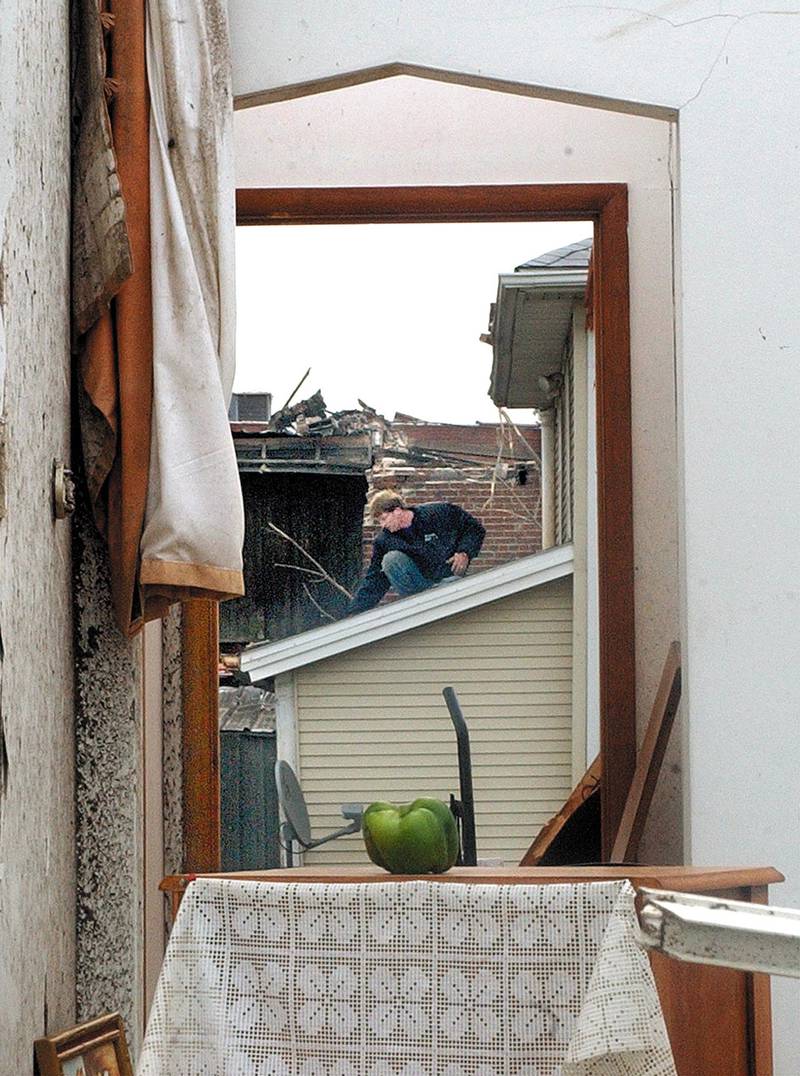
x: 411, y: 838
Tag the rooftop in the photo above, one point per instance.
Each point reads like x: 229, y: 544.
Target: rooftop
x: 573, y: 256
x: 262, y: 660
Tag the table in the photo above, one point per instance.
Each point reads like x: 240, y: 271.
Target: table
x: 718, y: 1020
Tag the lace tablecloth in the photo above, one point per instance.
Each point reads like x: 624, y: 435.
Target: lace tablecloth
x: 405, y: 979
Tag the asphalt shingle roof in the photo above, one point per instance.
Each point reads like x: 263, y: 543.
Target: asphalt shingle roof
x: 574, y: 256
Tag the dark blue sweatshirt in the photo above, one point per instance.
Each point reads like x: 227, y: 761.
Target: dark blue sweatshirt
x: 436, y: 533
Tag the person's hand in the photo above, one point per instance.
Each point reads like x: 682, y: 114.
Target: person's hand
x: 459, y: 562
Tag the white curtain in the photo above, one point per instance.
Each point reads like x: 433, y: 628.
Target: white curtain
x: 194, y: 520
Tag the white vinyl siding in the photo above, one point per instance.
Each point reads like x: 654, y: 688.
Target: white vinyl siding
x: 565, y: 449
x: 372, y: 723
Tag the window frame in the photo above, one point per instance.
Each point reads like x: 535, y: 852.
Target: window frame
x: 606, y: 206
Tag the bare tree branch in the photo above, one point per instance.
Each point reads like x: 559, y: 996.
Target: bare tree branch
x: 294, y: 391
x: 499, y: 458
x: 527, y: 513
x: 504, y: 414
x: 316, y: 604
x: 298, y: 568
x: 325, y: 575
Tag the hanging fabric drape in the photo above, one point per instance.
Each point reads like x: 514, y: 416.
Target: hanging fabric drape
x: 101, y: 252
x: 115, y: 354
x: 194, y: 520
x: 153, y: 299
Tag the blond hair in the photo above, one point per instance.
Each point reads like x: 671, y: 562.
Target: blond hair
x: 384, y: 501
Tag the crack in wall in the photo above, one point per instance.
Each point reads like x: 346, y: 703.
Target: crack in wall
x: 642, y: 18
x: 738, y: 20
x: 645, y: 17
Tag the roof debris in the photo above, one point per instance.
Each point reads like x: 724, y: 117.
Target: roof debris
x: 401, y: 439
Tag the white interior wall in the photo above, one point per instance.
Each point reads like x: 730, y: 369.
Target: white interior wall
x: 584, y: 630
x: 593, y: 584
x: 412, y: 131
x: 732, y: 74
x: 739, y: 386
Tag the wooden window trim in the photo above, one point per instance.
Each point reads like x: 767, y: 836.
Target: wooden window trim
x: 200, y: 733
x: 606, y: 205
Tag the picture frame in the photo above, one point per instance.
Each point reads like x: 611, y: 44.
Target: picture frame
x: 96, y: 1048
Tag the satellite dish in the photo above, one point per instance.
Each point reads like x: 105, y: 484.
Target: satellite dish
x: 293, y: 802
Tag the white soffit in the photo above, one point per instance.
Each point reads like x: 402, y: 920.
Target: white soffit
x: 262, y: 660
x: 531, y: 324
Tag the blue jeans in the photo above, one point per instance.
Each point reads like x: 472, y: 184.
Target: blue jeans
x: 404, y: 575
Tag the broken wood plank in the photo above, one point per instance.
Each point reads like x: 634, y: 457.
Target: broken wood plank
x: 651, y: 755
x: 551, y: 835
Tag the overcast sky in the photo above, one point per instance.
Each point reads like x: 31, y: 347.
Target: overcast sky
x: 390, y: 313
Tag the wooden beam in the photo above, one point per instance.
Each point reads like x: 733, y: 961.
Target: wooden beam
x: 651, y: 756
x: 427, y: 205
x: 614, y: 512
x: 346, y: 79
x: 550, y: 831
x: 201, y: 791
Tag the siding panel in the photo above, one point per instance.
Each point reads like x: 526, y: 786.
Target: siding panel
x: 565, y: 448
x: 372, y: 723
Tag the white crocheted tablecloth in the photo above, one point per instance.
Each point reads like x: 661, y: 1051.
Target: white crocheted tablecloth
x: 405, y: 979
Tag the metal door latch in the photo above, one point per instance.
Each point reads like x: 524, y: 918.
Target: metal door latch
x: 63, y: 490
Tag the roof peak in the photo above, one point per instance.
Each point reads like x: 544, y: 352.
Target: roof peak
x: 572, y: 256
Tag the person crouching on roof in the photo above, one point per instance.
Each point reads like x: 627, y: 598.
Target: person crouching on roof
x: 415, y: 548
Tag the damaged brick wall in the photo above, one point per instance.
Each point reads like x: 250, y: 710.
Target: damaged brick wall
x: 504, y: 493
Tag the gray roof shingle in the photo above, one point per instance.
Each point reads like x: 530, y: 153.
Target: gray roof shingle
x: 574, y: 256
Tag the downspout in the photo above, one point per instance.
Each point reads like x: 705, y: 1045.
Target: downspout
x: 547, y: 419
